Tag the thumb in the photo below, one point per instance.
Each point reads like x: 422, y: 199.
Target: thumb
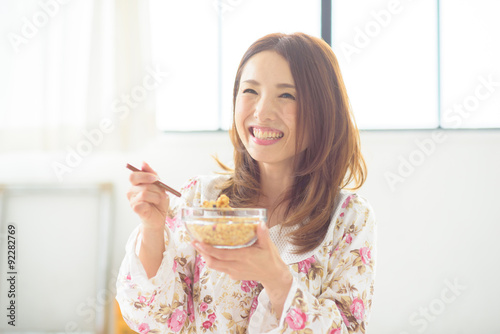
x: 263, y: 234
x: 146, y: 168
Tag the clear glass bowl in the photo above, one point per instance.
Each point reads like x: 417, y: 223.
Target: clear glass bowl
x: 224, y: 228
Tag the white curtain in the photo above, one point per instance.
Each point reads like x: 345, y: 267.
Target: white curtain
x: 66, y: 66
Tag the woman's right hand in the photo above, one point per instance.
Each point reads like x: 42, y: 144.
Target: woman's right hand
x: 148, y: 200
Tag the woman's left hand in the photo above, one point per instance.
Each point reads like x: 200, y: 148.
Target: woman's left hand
x: 259, y: 262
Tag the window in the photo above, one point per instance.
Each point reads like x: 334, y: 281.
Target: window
x: 388, y: 58
x: 201, y: 44
x: 470, y: 67
x: 406, y: 64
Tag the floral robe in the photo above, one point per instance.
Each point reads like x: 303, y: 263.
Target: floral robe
x: 332, y: 287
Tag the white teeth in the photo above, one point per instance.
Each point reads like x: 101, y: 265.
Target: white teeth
x: 266, y: 135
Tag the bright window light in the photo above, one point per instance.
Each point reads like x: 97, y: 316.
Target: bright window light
x: 470, y: 64
x: 387, y: 51
x: 201, y: 45
x: 185, y: 44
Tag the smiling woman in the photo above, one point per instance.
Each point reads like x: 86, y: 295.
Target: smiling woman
x: 296, y: 147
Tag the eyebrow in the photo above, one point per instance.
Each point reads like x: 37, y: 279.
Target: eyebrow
x: 280, y: 85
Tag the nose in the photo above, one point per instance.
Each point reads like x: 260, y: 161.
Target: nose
x: 264, y: 110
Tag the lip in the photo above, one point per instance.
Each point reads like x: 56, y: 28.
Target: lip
x: 263, y: 141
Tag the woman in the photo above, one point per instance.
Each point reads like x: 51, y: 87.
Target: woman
x: 296, y: 148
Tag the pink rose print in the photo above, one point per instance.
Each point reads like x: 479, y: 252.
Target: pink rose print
x: 358, y: 309
x: 187, y: 280
x: 151, y: 299
x: 342, y: 214
x: 212, y: 317
x: 305, y: 265
x: 203, y: 307
x: 142, y: 299
x: 174, y: 267
x: 177, y: 320
x: 296, y: 319
x: 245, y: 287
x: 335, y: 331
x: 173, y: 223
x: 200, y: 263
x: 143, y: 328
x: 365, y: 254
x: 128, y: 278
x: 255, y: 303
x: 207, y: 324
x: 348, y: 239
x: 253, y: 284
x: 347, y: 200
x: 190, y: 305
x: 189, y: 185
x: 346, y: 322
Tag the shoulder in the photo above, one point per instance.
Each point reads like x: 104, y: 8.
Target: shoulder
x: 352, y: 209
x: 350, y: 202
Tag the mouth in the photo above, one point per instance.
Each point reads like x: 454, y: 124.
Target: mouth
x: 266, y: 133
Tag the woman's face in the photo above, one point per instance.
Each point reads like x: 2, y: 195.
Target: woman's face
x: 266, y: 110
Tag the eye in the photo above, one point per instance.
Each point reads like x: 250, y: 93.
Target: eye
x: 287, y: 96
x: 249, y: 90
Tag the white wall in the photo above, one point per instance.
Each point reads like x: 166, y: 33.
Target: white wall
x: 439, y: 225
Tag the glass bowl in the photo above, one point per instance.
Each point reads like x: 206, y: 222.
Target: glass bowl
x: 223, y: 228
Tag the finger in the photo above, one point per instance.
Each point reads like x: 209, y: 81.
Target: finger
x: 147, y: 168
x: 217, y: 264
x: 142, y: 208
x: 221, y: 254
x: 137, y: 178
x: 135, y: 190
x: 147, y: 196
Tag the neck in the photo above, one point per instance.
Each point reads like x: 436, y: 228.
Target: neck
x: 274, y: 181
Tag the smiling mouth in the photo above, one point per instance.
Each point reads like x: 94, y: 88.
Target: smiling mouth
x: 266, y: 134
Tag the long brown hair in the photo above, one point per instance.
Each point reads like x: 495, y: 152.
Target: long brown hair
x: 332, y: 159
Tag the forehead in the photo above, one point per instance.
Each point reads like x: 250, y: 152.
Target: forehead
x: 267, y: 67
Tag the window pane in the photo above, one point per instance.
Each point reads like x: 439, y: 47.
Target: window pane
x: 470, y: 67
x: 184, y: 44
x: 44, y: 73
x: 387, y: 51
x: 246, y: 21
x: 21, y: 65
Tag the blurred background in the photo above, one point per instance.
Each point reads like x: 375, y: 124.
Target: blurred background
x: 87, y: 86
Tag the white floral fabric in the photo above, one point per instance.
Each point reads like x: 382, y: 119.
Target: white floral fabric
x: 332, y: 287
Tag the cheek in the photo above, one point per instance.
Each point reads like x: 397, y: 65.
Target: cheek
x: 290, y: 118
x: 240, y: 116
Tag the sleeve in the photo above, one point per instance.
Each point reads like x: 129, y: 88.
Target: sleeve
x: 163, y: 303
x: 342, y: 303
